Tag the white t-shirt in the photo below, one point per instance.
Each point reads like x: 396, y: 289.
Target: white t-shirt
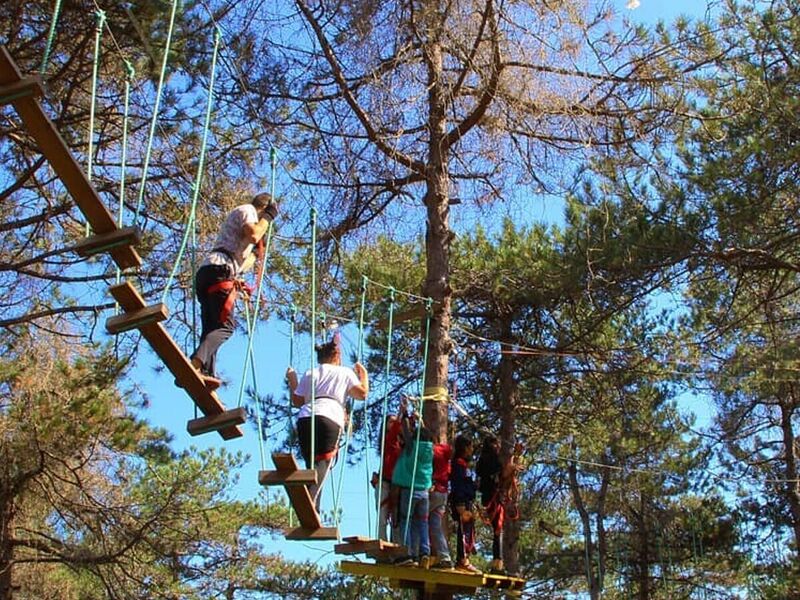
x: 332, y: 383
x: 231, y: 239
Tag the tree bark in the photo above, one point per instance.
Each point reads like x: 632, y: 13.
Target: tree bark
x: 790, y: 467
x: 6, y: 546
x: 507, y: 401
x: 437, y: 246
x: 586, y: 523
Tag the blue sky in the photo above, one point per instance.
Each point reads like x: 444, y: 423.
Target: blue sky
x: 171, y: 408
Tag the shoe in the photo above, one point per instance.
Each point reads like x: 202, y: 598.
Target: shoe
x: 497, y: 567
x: 468, y: 567
x: 404, y: 561
x: 426, y: 562
x: 444, y: 563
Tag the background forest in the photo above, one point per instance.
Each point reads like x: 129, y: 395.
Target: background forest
x: 600, y: 218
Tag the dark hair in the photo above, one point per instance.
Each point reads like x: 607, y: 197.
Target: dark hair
x: 326, y: 351
x: 488, y: 442
x: 261, y: 201
x: 460, y: 446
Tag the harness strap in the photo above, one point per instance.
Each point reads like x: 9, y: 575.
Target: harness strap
x: 229, y: 286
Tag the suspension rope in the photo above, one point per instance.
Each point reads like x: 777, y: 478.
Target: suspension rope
x: 313, y: 456
x: 129, y: 75
x: 100, y: 19
x: 367, y: 435
x: 198, y: 181
x: 259, y: 290
x: 385, y: 400
x: 261, y: 451
x: 51, y: 35
x: 154, y: 120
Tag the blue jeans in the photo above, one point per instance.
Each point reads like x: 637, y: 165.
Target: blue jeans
x: 438, y: 505
x: 415, y: 534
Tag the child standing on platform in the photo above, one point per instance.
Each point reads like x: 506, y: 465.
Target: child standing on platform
x: 490, y: 471
x: 413, y: 475
x: 442, y: 454
x: 462, y: 495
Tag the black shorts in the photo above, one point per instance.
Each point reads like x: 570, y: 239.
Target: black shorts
x: 326, y: 436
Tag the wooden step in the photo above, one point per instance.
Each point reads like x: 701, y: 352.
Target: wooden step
x: 288, y: 478
x: 137, y: 318
x: 26, y: 87
x: 185, y: 374
x: 234, y: 416
x: 105, y: 242
x: 380, y: 549
x: 299, y: 497
x: 58, y: 154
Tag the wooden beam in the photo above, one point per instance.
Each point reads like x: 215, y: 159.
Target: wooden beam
x: 104, y: 242
x: 368, y: 546
x: 53, y: 147
x: 319, y: 533
x: 234, y: 416
x: 137, y: 318
x: 169, y: 352
x: 287, y: 478
x: 26, y: 87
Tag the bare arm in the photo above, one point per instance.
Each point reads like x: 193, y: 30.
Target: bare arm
x: 360, y: 391
x: 291, y: 379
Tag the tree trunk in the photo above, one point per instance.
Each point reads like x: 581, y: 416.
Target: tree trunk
x: 790, y: 470
x: 6, y: 546
x: 602, y: 543
x: 586, y: 523
x: 508, y: 395
x: 643, y: 559
x: 437, y: 246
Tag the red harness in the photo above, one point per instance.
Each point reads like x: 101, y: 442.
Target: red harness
x: 232, y: 287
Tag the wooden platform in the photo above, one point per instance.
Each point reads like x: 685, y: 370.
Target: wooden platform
x: 434, y: 583
x: 295, y: 482
x: 21, y: 92
x: 379, y: 550
x: 209, y: 404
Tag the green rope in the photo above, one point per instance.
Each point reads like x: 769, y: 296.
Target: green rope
x: 50, y: 38
x: 259, y: 291
x: 100, y: 19
x: 261, y: 451
x: 200, y: 165
x: 154, y: 119
x: 313, y: 455
x: 385, y: 401
x: 364, y: 282
x: 129, y: 75
x: 292, y: 325
x: 420, y: 423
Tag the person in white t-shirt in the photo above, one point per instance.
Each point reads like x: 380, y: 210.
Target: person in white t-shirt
x: 216, y: 278
x: 333, y: 383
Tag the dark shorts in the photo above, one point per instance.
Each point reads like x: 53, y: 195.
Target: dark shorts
x: 326, y: 436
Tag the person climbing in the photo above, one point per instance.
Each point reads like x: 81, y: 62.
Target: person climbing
x: 333, y: 383
x: 489, y: 470
x: 413, y: 476
x: 442, y: 455
x: 462, y: 495
x: 217, y: 279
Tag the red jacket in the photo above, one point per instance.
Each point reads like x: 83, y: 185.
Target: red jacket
x: 442, y: 453
x: 391, y: 449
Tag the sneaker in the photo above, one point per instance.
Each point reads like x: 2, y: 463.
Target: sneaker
x: 444, y: 563
x: 497, y: 567
x: 426, y: 562
x: 404, y: 561
x: 468, y: 567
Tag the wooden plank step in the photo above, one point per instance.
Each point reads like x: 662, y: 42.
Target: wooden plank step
x: 53, y: 147
x: 185, y: 374
x: 288, y: 478
x: 104, y: 242
x: 137, y: 318
x: 299, y: 497
x: 368, y: 546
x: 26, y: 87
x: 234, y: 416
x: 320, y: 533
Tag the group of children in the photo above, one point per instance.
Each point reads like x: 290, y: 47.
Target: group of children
x: 420, y: 480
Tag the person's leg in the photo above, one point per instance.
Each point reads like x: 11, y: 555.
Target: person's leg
x: 383, y: 512
x: 214, y: 332
x: 326, y: 439
x: 439, y: 545
x: 460, y: 550
x: 422, y: 508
